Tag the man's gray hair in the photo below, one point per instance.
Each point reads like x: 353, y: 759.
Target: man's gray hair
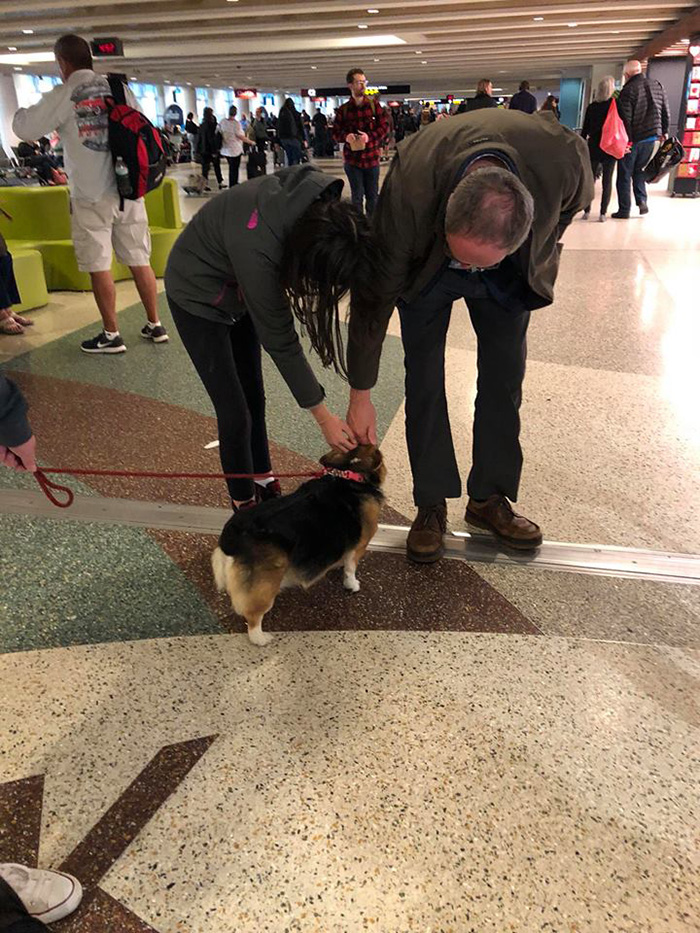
x: 493, y: 206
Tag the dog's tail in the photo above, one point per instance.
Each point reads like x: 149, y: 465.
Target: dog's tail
x: 220, y: 564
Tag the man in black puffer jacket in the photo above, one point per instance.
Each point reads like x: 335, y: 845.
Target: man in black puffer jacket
x: 643, y: 107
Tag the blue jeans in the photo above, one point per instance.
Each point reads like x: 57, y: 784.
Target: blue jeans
x: 630, y: 170
x: 292, y: 149
x: 364, y: 183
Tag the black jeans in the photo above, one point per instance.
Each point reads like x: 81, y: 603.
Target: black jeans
x: 214, y: 160
x: 602, y: 163
x: 502, y: 349
x: 228, y: 361
x: 234, y: 163
x: 13, y: 914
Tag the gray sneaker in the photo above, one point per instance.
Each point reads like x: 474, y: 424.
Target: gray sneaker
x: 157, y: 334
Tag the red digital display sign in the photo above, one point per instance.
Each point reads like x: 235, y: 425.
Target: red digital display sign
x: 107, y: 48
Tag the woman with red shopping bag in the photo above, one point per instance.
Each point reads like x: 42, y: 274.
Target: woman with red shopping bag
x: 607, y: 139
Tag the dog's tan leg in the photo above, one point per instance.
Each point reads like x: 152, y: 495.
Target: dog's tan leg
x: 253, y: 597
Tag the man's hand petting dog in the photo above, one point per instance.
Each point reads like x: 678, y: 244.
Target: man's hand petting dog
x: 362, y: 417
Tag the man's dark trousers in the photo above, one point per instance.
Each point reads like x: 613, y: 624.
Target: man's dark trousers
x: 630, y: 173
x: 502, y: 350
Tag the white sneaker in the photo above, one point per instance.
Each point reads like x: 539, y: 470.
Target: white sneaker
x: 47, y: 895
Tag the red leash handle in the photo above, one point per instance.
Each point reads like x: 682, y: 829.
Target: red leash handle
x: 48, y: 487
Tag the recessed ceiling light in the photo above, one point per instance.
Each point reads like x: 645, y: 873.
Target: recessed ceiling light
x: 372, y: 11
x: 616, y: 32
x: 28, y: 32
x: 376, y: 59
x: 419, y: 52
x: 362, y: 26
x: 11, y: 48
x: 538, y: 19
x: 424, y: 63
x: 314, y: 67
x: 572, y: 25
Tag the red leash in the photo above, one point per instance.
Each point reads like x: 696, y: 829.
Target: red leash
x: 49, y: 488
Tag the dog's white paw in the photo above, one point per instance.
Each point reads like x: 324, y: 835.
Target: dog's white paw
x: 352, y: 584
x: 259, y: 638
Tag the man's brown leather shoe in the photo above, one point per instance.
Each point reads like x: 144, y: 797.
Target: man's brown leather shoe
x: 497, y: 516
x: 424, y: 543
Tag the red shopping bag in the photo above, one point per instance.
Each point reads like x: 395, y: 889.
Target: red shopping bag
x: 614, y: 139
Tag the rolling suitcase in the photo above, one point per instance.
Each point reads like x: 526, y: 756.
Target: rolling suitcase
x: 256, y: 164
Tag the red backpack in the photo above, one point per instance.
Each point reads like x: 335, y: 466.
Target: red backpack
x: 137, y: 143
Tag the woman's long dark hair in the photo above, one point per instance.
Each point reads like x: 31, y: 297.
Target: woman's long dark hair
x: 329, y: 250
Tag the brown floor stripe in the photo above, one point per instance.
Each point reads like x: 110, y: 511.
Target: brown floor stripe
x: 395, y: 596
x: 121, y: 824
x: 20, y: 820
x: 102, y: 914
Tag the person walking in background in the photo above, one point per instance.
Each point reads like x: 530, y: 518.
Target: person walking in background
x: 209, y: 147
x: 523, y: 100
x: 601, y: 162
x: 320, y: 125
x: 257, y: 131
x: 232, y: 146
x: 192, y: 129
x: 290, y: 132
x: 482, y: 100
x: 78, y: 109
x: 551, y: 105
x: 643, y: 108
x: 361, y: 124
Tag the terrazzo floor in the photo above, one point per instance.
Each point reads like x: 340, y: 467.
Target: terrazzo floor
x: 464, y: 748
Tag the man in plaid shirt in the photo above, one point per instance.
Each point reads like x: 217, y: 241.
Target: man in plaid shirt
x: 361, y: 118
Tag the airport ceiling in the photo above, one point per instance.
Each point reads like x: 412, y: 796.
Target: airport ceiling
x: 442, y: 46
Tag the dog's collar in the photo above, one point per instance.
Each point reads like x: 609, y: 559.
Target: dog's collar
x: 345, y: 474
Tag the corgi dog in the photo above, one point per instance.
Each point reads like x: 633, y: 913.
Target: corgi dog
x: 295, y: 540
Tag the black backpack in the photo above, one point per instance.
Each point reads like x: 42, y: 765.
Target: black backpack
x: 134, y: 140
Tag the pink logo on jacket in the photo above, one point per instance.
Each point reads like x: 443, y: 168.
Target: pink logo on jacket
x: 253, y: 220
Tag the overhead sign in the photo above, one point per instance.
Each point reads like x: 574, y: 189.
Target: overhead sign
x: 246, y: 92
x: 107, y: 48
x: 393, y: 90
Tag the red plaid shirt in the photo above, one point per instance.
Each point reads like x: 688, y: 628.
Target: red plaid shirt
x: 367, y: 117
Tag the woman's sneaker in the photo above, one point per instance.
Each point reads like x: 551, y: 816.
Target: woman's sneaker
x: 272, y: 490
x: 47, y: 895
x: 157, y: 333
x: 103, y: 344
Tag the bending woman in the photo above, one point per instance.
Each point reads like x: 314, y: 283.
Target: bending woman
x: 250, y: 261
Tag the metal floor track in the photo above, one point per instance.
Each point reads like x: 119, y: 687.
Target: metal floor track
x: 630, y: 563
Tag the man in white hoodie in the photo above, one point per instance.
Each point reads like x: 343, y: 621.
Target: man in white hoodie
x: 78, y: 110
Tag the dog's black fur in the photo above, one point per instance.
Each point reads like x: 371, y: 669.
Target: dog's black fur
x: 315, y: 526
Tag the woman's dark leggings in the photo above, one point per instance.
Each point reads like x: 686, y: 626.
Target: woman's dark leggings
x: 228, y: 361
x: 602, y: 163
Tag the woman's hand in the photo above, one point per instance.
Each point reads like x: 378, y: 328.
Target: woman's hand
x: 337, y: 432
